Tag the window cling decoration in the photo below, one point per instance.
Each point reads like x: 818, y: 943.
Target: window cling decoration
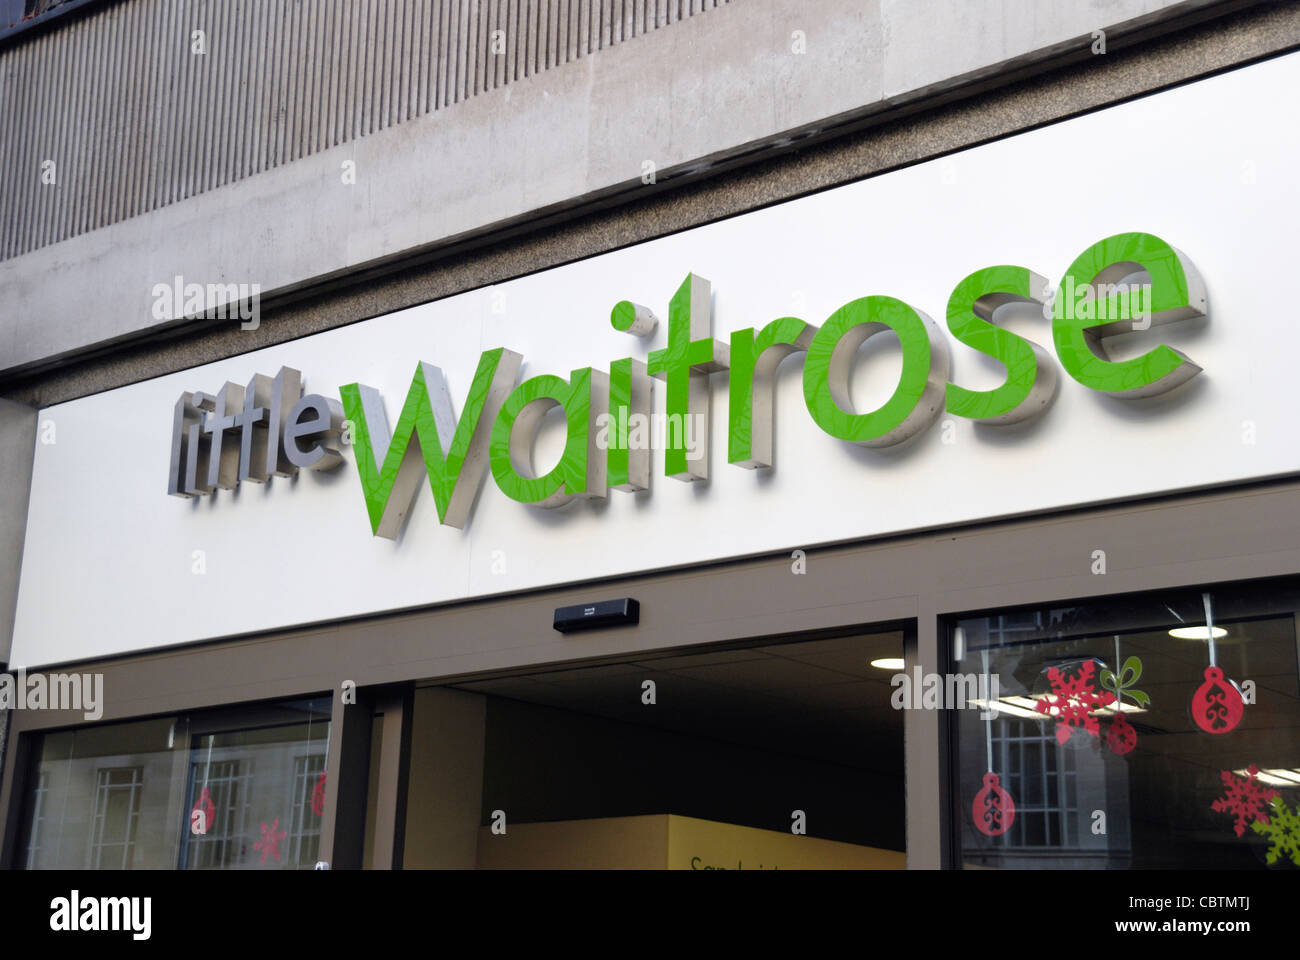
x: 1121, y: 738
x: 993, y: 809
x: 1217, y: 706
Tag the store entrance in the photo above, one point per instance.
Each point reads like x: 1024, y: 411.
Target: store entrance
x: 770, y: 755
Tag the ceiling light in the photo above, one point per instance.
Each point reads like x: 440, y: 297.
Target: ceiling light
x: 888, y: 663
x: 1123, y: 708
x: 1197, y: 633
x: 1027, y: 708
x: 1022, y: 707
x: 1275, y: 777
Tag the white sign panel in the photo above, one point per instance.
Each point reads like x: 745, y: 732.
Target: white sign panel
x: 113, y: 564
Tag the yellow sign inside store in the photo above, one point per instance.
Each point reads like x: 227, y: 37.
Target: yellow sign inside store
x: 670, y: 842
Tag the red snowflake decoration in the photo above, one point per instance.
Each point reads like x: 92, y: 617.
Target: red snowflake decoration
x: 270, y: 842
x: 1073, y: 700
x: 1245, y: 797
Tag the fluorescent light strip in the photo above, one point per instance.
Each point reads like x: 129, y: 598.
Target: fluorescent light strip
x: 1275, y: 777
x: 1197, y: 633
x: 1123, y: 708
x: 1008, y: 706
x: 1027, y: 708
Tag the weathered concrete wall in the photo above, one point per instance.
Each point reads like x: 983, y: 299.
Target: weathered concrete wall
x: 141, y: 103
x: 810, y: 165
x: 740, y: 78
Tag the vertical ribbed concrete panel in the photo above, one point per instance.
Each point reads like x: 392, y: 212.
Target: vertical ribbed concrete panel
x: 121, y: 115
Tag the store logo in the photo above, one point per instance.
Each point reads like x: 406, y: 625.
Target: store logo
x: 267, y: 428
x: 604, y: 410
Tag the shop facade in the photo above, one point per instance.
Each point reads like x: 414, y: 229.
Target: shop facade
x: 945, y: 517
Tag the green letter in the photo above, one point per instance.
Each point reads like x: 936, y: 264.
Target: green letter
x: 916, y: 401
x: 581, y: 470
x: 1177, y: 293
x: 691, y: 355
x: 629, y: 396
x: 754, y: 360
x: 426, y: 418
x: 1031, y: 377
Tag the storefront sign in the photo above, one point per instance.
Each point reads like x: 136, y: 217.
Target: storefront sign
x: 267, y: 428
x: 882, y: 422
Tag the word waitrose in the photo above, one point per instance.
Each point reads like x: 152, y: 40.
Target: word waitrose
x: 268, y: 428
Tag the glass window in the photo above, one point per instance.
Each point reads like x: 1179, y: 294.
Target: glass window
x: 251, y: 791
x: 229, y: 789
x: 1151, y: 731
x: 117, y: 814
x: 89, y: 792
x: 218, y: 789
x: 42, y: 788
x: 18, y: 14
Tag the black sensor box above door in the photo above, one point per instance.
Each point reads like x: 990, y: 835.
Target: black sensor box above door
x: 590, y: 616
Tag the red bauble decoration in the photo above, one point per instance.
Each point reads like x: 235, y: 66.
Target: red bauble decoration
x: 202, y: 814
x: 1121, y: 738
x: 318, y: 796
x: 1216, y: 705
x: 993, y: 810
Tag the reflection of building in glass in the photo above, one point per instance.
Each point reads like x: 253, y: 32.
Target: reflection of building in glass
x: 304, y: 828
x: 1042, y: 778
x: 254, y: 777
x: 123, y: 796
x: 97, y: 811
x: 1072, y: 798
x: 117, y: 816
x: 1007, y: 628
x: 1056, y: 788
x: 38, y: 817
x: 227, y: 789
